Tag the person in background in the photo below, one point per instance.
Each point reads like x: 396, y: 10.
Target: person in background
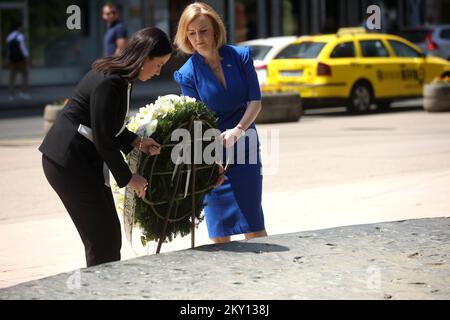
x: 18, y: 57
x: 115, y: 38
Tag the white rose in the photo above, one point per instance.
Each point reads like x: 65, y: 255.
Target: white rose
x: 171, y: 97
x: 190, y: 99
x: 133, y: 125
x: 151, y: 127
x: 147, y: 118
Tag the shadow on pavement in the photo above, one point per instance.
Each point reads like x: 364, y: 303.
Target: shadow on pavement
x: 342, y: 112
x: 244, y: 247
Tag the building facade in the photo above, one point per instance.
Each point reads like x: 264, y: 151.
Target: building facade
x: 61, y: 56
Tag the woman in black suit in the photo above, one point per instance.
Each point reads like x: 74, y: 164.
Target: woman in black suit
x: 89, y: 135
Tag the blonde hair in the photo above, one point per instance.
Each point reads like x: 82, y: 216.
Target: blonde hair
x: 192, y: 12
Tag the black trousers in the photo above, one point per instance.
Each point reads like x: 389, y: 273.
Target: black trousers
x: 90, y: 204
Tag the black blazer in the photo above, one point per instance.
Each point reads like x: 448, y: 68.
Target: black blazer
x: 100, y: 103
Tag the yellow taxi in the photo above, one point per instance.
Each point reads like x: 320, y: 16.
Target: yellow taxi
x: 353, y: 68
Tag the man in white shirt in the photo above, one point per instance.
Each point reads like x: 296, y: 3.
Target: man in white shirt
x: 18, y: 56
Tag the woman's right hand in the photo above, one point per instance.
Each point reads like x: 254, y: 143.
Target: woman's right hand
x: 139, y: 184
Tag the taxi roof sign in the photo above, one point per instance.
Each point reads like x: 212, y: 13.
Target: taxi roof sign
x: 355, y: 30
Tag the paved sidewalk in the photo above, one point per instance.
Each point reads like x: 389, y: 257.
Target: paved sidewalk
x: 395, y: 167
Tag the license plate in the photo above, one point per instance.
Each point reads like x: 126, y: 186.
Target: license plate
x: 291, y: 73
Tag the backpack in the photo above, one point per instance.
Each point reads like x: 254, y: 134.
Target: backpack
x: 15, y: 54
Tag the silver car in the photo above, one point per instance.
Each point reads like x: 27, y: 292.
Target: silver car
x: 432, y: 39
x: 264, y: 50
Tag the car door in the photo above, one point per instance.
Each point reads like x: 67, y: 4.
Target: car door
x: 345, y: 69
x: 410, y: 67
x: 378, y: 67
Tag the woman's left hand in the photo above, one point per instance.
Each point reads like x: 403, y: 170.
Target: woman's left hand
x: 149, y: 146
x: 221, y: 177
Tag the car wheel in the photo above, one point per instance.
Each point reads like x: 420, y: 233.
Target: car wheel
x: 360, y: 98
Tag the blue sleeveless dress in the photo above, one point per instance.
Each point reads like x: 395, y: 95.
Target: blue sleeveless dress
x: 235, y: 206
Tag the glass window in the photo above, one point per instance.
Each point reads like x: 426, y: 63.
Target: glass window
x: 373, y: 48
x: 303, y: 50
x: 445, y: 34
x: 259, y: 52
x: 157, y: 11
x: 52, y: 44
x: 8, y: 17
x: 415, y: 36
x: 290, y: 13
x: 245, y: 12
x: 402, y: 50
x: 343, y: 50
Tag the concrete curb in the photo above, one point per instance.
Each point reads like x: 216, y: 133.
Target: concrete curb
x: 142, y: 93
x: 393, y: 260
x: 280, y: 107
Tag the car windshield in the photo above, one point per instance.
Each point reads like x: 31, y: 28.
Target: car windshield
x: 303, y: 50
x: 259, y: 52
x: 415, y: 36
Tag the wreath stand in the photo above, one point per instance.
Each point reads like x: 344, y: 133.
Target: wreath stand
x: 180, y: 169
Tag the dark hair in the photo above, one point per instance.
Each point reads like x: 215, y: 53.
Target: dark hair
x: 15, y: 25
x: 112, y: 6
x: 145, y: 43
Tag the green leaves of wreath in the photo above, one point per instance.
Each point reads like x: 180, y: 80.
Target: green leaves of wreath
x: 165, y: 198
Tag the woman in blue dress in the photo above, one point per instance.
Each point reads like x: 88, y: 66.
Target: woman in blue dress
x: 224, y: 79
